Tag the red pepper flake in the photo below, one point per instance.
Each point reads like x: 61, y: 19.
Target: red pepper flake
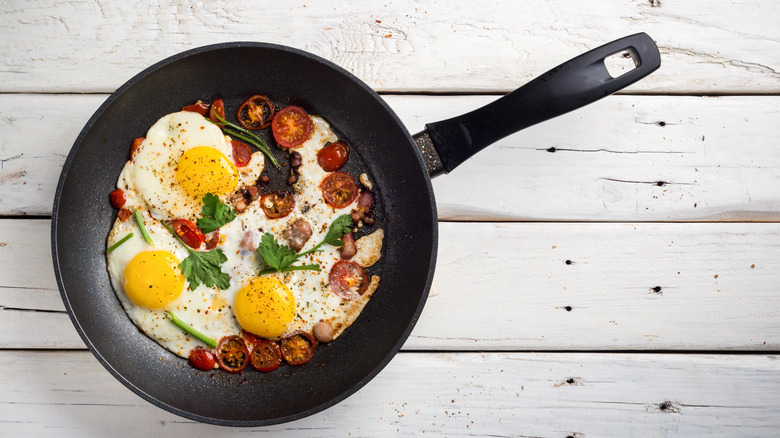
x: 388, y: 35
x: 378, y: 21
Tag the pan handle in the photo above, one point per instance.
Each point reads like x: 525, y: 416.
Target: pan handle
x: 569, y: 86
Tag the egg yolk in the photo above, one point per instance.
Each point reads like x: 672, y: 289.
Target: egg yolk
x: 153, y: 279
x: 204, y: 170
x: 265, y: 307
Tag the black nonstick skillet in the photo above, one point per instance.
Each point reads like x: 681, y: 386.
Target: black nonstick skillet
x: 400, y: 165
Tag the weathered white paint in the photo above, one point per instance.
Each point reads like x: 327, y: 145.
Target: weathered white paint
x: 718, y: 158
x: 506, y: 286
x: 444, y: 394
x: 502, y: 286
x: 406, y: 45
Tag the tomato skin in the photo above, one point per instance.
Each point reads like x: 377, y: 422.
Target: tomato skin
x: 242, y: 153
x: 339, y: 189
x: 135, y: 145
x: 291, y: 126
x: 188, y: 232
x: 348, y: 279
x: 266, y: 356
x: 277, y: 204
x: 298, y: 348
x: 257, y: 112
x: 333, y: 156
x: 218, y: 107
x: 199, y: 107
x: 124, y: 214
x: 232, y: 354
x: 118, y: 198
x: 202, y: 359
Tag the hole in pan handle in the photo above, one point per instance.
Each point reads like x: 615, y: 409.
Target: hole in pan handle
x: 569, y: 86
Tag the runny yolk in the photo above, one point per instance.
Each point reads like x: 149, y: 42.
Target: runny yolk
x: 153, y: 279
x: 204, y: 170
x: 265, y: 307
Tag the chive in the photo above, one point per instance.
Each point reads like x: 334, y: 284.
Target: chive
x: 188, y: 328
x: 255, y: 140
x: 262, y: 146
x: 121, y: 241
x: 177, y: 237
x: 140, y: 222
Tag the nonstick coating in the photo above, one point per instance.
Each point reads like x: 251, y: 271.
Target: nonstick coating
x: 82, y: 218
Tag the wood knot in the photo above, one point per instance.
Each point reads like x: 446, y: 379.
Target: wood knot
x: 666, y: 407
x: 571, y: 381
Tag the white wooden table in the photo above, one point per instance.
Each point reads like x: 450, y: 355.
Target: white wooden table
x: 612, y: 272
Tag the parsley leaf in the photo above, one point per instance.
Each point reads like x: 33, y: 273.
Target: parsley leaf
x: 203, y: 267
x: 276, y: 256
x: 279, y: 258
x: 215, y: 213
x: 206, y: 268
x: 341, y: 226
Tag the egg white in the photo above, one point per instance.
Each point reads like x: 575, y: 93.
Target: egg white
x: 208, y: 309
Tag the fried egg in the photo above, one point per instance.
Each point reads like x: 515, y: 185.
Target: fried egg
x: 183, y: 157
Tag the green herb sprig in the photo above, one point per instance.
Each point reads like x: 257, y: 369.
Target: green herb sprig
x: 118, y: 244
x: 191, y: 330
x: 245, y: 135
x: 140, y: 221
x: 203, y: 267
x: 215, y: 213
x: 279, y: 258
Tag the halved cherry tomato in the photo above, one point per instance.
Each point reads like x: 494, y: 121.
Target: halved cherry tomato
x: 333, y: 156
x: 339, y: 189
x: 188, y: 232
x: 348, y: 279
x: 118, y: 198
x: 212, y: 239
x: 124, y: 214
x: 218, y: 106
x: 256, y: 112
x: 298, y: 349
x: 202, y: 359
x: 134, y: 147
x: 199, y: 107
x: 277, y: 204
x: 232, y: 354
x: 266, y: 356
x: 291, y: 126
x: 242, y: 153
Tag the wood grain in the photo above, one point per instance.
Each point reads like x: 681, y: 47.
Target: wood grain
x: 446, y: 394
x: 400, y: 46
x: 521, y: 286
x: 625, y: 158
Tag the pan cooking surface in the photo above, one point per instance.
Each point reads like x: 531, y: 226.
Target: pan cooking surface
x: 82, y: 218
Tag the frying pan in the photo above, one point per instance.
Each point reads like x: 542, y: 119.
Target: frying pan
x: 400, y: 165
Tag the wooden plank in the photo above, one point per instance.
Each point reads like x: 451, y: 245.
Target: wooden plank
x: 522, y: 286
x: 515, y: 394
x: 717, y: 159
x: 403, y: 46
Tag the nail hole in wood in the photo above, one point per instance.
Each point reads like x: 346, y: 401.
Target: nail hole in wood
x: 657, y: 290
x: 661, y: 123
x: 569, y: 262
x: 552, y: 149
x: 660, y: 183
x: 568, y: 308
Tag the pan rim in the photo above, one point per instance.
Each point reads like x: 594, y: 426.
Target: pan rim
x: 58, y: 268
